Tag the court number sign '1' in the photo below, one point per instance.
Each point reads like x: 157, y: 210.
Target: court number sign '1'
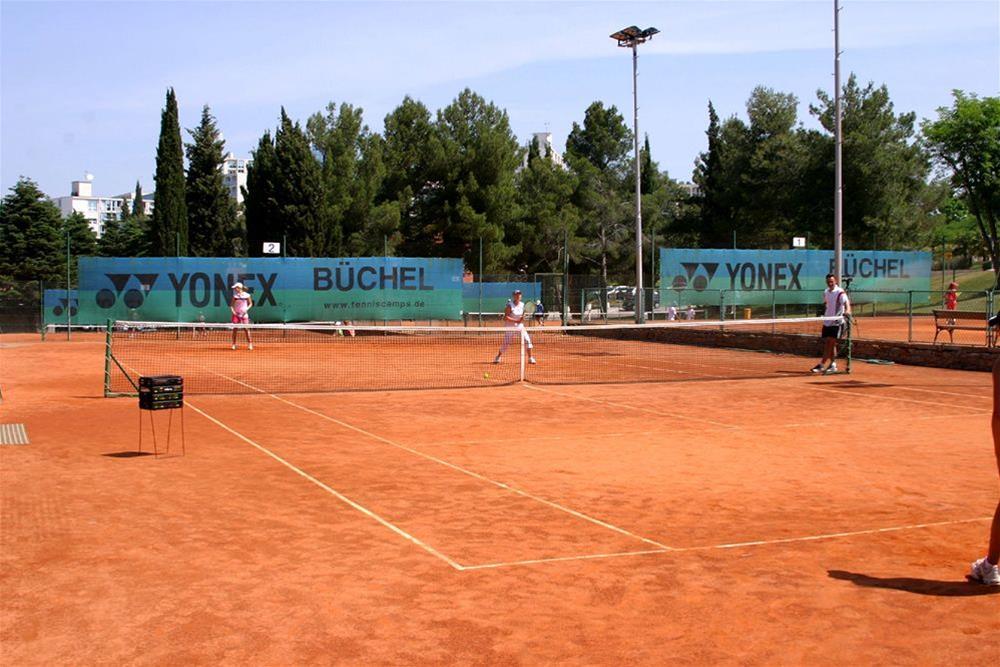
x: 272, y: 248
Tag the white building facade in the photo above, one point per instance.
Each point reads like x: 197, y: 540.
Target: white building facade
x: 234, y: 176
x: 543, y: 141
x: 97, y: 209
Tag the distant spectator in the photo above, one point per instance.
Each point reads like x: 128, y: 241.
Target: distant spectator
x: 672, y: 312
x: 539, y: 313
x: 951, y: 296
x: 951, y: 303
x: 689, y: 314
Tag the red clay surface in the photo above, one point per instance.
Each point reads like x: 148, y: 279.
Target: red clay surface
x: 794, y: 520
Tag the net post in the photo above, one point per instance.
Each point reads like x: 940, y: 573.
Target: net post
x: 41, y: 307
x: 909, y: 316
x: 850, y: 340
x: 523, y: 333
x: 107, y: 358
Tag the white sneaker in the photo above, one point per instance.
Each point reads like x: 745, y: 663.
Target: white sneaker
x: 818, y: 368
x: 234, y: 346
x: 832, y: 368
x: 531, y: 360
x: 497, y: 360
x: 985, y: 573
x: 250, y: 346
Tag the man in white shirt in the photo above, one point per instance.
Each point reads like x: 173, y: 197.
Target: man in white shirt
x: 838, y: 308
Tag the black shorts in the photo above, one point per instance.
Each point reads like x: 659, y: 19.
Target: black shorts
x: 830, y: 332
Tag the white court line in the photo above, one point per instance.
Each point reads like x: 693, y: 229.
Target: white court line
x: 986, y: 397
x: 470, y: 473
x: 878, y: 396
x: 560, y: 559
x: 830, y: 536
x: 336, y: 494
x: 507, y: 487
x: 817, y: 424
x: 546, y: 390
x: 734, y: 545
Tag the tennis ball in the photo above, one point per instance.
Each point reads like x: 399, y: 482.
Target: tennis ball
x: 486, y: 376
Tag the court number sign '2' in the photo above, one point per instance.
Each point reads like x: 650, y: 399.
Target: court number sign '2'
x: 271, y: 248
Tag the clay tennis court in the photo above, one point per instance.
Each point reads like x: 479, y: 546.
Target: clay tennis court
x: 790, y: 519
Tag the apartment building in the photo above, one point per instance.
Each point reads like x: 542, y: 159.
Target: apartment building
x: 98, y: 209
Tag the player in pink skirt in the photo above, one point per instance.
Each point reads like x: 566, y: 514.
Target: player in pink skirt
x: 240, y: 306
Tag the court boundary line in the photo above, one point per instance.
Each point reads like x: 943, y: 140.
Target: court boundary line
x: 544, y: 388
x: 734, y: 545
x: 502, y: 485
x: 475, y: 475
x: 457, y: 566
x: 336, y: 494
x: 872, y: 395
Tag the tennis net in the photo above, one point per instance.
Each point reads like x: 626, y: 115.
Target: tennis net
x: 289, y: 358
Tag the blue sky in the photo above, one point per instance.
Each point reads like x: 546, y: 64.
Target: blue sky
x: 82, y: 84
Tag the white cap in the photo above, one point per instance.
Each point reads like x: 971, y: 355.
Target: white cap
x: 235, y: 285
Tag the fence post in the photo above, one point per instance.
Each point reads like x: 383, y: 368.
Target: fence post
x: 909, y: 316
x: 480, y: 281
x: 722, y: 300
x: 41, y: 307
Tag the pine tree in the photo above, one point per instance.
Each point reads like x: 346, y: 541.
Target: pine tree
x: 409, y: 151
x: 32, y: 245
x: 211, y: 211
x: 169, y: 229
x: 298, y: 192
x: 470, y: 193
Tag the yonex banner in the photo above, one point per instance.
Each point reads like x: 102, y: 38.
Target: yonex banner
x: 291, y: 289
x: 60, y: 306
x: 795, y: 276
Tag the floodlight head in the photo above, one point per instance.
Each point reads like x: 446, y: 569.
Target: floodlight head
x: 632, y: 35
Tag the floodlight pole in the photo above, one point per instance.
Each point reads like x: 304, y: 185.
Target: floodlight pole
x: 632, y: 37
x: 838, y: 158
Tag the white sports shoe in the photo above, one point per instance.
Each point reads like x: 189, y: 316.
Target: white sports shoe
x: 497, y: 360
x: 531, y: 360
x: 985, y: 573
x: 832, y: 368
x: 234, y: 346
x: 818, y: 368
x: 250, y: 346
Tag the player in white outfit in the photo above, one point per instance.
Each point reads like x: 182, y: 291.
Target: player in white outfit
x: 513, y: 318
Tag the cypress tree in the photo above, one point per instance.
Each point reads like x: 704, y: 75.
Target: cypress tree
x: 260, y: 206
x: 138, y: 206
x: 211, y: 212
x: 169, y: 230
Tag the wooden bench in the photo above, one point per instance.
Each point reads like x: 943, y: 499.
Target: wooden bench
x: 963, y: 320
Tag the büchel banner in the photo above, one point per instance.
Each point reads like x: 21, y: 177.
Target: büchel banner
x: 290, y: 289
x: 710, y: 277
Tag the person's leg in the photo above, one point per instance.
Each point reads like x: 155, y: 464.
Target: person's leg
x: 986, y: 570
x: 507, y: 336
x: 827, y: 342
x: 527, y: 342
x: 247, y: 331
x: 993, y: 553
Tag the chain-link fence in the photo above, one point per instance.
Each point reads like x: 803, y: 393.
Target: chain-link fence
x: 20, y: 306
